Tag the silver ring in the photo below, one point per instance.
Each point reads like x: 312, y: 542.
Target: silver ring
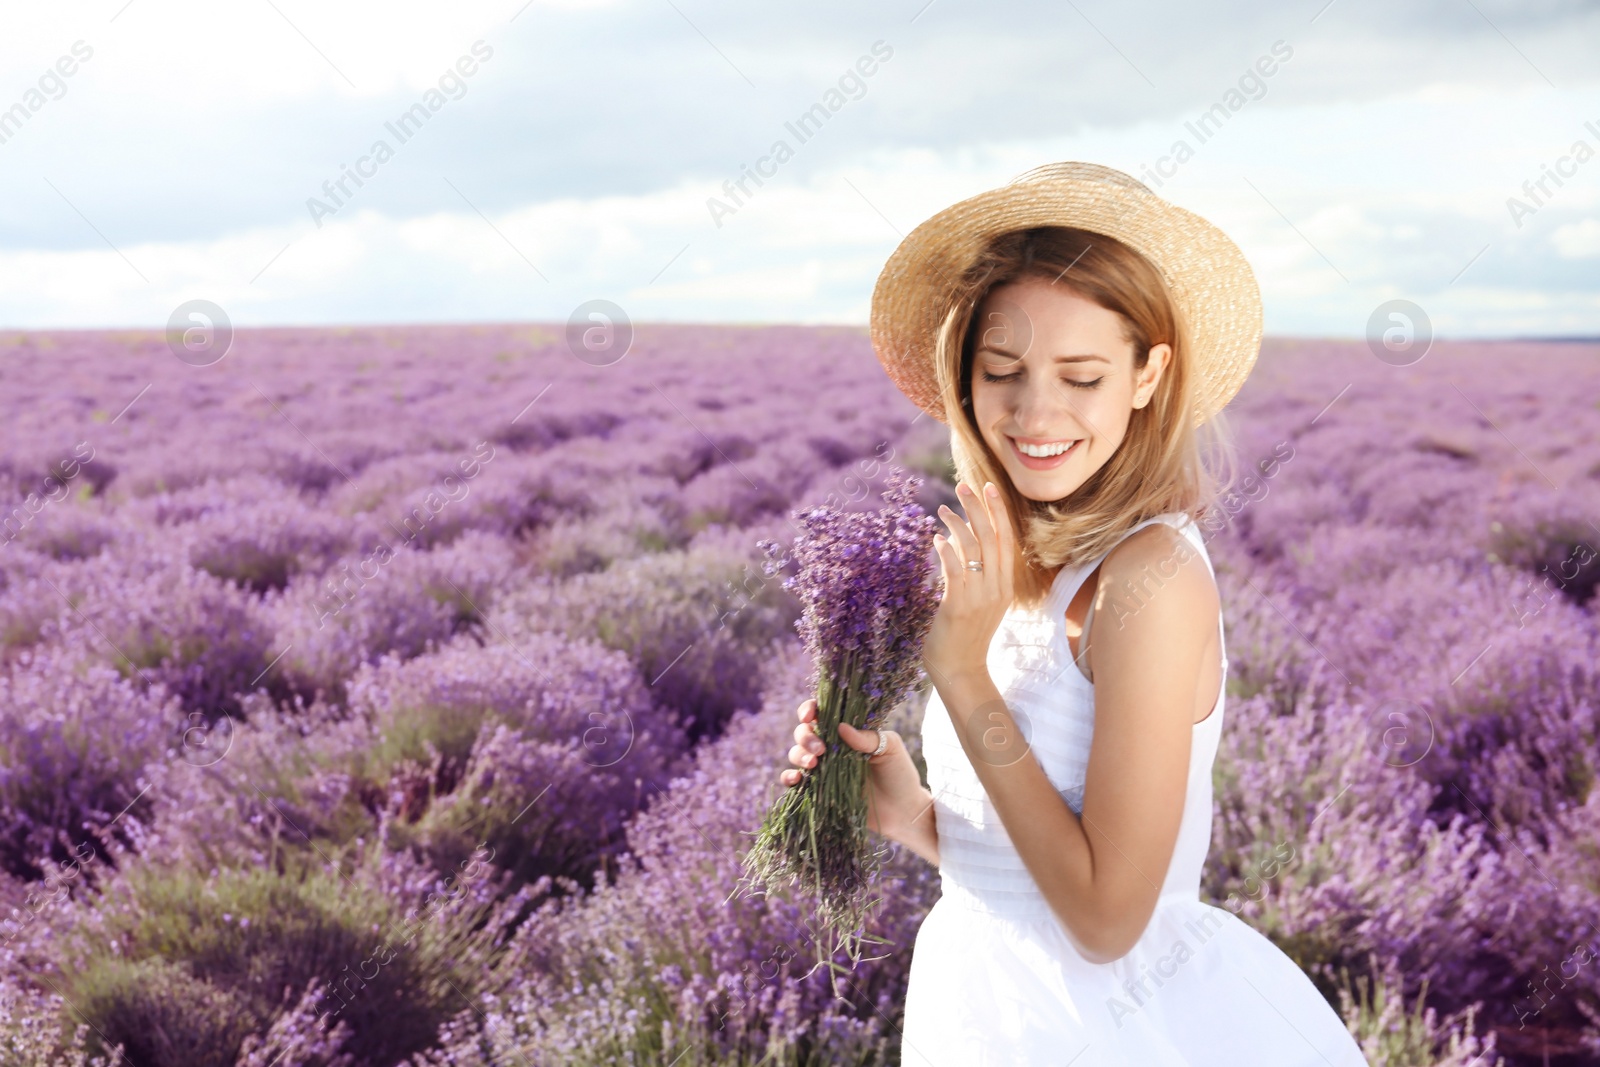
x: 974, y: 564
x: 883, y: 745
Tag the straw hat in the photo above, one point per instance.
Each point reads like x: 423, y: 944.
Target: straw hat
x: 1209, y: 279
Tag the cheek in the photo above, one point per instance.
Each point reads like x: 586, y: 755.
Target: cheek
x: 1111, y: 412
x: 985, y: 406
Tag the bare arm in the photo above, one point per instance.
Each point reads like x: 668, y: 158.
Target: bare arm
x: 1101, y: 872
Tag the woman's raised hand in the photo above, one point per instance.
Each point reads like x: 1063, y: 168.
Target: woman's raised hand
x: 975, y: 602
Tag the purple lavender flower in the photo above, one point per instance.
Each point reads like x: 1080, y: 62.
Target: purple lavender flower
x: 866, y: 604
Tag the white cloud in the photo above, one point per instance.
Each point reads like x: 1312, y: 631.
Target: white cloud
x: 1577, y: 240
x: 594, y: 137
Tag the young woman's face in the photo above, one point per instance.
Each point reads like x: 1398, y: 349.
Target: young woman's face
x: 1051, y: 369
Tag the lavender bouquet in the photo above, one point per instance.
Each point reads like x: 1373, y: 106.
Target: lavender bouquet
x: 863, y: 582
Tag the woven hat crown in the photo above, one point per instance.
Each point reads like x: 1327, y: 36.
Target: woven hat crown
x: 1076, y: 171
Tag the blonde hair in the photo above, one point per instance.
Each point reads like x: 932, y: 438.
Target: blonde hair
x: 1158, y: 467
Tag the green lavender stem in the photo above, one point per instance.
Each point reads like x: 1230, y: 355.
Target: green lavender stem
x: 817, y: 831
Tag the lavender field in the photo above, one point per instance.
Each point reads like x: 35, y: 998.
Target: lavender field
x: 407, y: 696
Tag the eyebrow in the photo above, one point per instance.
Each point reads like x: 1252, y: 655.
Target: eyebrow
x: 1083, y: 358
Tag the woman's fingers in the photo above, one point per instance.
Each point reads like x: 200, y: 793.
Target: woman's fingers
x: 981, y: 528
x: 954, y: 576
x: 852, y: 737
x: 980, y: 505
x: 1005, y: 539
x: 804, y: 754
x: 808, y: 748
x: 806, y: 745
x: 961, y: 535
x: 860, y: 740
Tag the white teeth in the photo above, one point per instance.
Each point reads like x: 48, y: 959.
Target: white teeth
x: 1042, y: 451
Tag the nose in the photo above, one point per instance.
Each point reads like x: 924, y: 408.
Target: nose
x: 1045, y: 409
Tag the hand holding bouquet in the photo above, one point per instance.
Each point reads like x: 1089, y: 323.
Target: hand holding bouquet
x: 867, y: 600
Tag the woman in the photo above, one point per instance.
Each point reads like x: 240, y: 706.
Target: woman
x: 1074, y: 330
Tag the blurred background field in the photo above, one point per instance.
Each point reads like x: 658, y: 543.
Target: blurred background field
x: 405, y: 695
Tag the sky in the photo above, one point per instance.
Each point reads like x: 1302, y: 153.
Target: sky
x: 563, y: 151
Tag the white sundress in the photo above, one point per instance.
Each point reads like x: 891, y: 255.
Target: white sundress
x: 995, y: 979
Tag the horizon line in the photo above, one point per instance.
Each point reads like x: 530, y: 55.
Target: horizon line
x: 559, y: 326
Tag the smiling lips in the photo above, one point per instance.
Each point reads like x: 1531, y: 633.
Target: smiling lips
x: 1042, y: 455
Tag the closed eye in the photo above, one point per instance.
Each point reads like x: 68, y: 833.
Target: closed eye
x: 1012, y: 377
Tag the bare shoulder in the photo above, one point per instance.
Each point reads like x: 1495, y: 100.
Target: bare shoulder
x: 1158, y: 576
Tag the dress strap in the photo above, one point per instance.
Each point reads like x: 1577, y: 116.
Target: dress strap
x: 1083, y: 640
x: 1083, y: 633
x: 1070, y: 590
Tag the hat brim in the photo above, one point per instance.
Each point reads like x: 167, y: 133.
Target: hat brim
x: 1207, y: 275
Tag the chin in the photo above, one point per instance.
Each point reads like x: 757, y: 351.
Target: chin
x: 1043, y: 490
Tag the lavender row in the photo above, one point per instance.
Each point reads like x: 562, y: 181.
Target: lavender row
x: 434, y: 672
